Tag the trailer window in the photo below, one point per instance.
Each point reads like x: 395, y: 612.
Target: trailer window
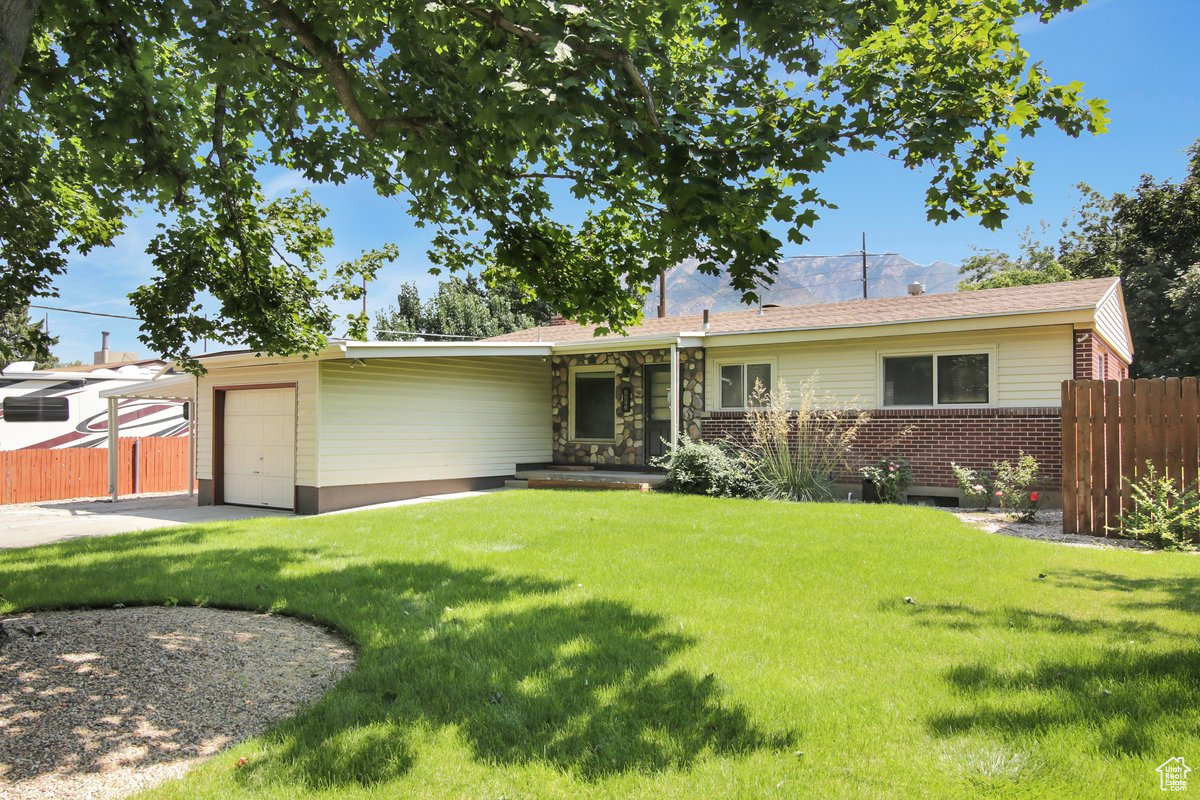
x: 36, y: 409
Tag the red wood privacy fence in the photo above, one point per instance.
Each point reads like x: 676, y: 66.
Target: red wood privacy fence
x: 146, y: 464
x: 1110, y: 430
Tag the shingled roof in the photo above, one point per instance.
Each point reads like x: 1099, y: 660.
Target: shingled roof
x: 1041, y: 299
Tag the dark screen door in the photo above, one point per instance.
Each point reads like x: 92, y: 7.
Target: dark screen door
x: 658, y: 409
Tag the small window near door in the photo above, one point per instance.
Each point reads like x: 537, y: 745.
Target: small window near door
x: 593, y: 403
x: 36, y: 409
x: 739, y: 382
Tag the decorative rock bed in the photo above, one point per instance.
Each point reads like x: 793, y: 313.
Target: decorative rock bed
x: 103, y: 703
x: 1048, y: 527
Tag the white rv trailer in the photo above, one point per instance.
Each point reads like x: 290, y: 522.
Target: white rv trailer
x: 42, y: 409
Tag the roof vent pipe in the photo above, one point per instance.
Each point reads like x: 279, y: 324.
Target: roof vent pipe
x: 916, y: 288
x: 101, y: 356
x: 706, y: 319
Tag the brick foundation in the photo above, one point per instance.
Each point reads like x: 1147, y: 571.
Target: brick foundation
x: 971, y: 437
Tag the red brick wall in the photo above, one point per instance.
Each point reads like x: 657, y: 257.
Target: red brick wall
x: 972, y: 437
x: 1095, y: 360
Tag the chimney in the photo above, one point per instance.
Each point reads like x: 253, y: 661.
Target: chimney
x: 916, y: 288
x: 706, y: 319
x: 662, y: 294
x: 558, y: 319
x: 101, y: 355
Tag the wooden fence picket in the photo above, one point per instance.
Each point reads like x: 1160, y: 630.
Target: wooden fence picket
x: 1111, y: 430
x: 31, y: 476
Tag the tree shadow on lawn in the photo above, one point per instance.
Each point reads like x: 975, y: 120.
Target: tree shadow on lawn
x: 524, y: 669
x: 1142, y: 594
x: 1129, y: 698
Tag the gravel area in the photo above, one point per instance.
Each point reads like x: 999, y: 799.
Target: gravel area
x: 1048, y: 527
x: 103, y: 703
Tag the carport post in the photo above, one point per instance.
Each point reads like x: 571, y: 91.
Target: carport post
x: 674, y: 394
x: 191, y: 407
x: 114, y: 452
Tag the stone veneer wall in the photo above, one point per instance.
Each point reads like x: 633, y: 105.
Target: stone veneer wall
x: 629, y: 447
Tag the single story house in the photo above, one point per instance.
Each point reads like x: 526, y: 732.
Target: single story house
x: 976, y: 376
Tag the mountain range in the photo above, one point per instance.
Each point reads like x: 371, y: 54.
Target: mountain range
x: 804, y: 280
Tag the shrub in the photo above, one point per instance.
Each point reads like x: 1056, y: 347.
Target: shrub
x: 1163, y: 515
x: 703, y: 468
x: 891, y: 476
x: 796, y: 454
x: 1013, y: 487
x: 975, y: 484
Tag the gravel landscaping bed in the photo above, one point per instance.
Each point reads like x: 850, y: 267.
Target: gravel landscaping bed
x: 1048, y: 527
x: 103, y: 703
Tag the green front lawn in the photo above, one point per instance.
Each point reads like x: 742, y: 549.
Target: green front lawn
x: 542, y: 644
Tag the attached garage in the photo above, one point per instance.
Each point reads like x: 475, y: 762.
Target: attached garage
x: 365, y: 423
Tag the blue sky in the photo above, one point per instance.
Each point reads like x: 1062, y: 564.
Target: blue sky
x: 1140, y: 55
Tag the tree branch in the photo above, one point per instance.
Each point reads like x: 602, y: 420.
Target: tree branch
x: 619, y: 57
x: 334, y: 66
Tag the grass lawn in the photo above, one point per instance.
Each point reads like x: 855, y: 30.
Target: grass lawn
x: 534, y: 644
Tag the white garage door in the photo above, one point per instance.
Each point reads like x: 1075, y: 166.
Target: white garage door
x: 260, y: 447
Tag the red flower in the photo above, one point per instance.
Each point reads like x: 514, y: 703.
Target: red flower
x: 1033, y: 496
x: 999, y: 493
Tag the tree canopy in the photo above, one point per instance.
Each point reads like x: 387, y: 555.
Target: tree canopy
x: 1149, y: 237
x: 23, y: 339
x: 461, y: 307
x: 688, y: 129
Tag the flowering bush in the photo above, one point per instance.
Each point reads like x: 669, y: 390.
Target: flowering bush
x: 891, y: 476
x: 975, y: 484
x: 1013, y: 484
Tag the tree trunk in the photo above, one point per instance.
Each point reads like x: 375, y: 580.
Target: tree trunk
x: 16, y: 26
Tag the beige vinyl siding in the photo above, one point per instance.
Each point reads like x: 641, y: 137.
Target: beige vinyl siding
x: 417, y: 419
x: 1030, y: 363
x: 302, y: 373
x: 1111, y: 324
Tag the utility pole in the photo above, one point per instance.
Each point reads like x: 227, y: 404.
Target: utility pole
x: 662, y: 293
x: 364, y: 296
x: 864, y: 264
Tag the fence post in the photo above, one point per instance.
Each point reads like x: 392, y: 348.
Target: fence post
x: 1069, y: 441
x: 1191, y: 419
x: 1112, y: 453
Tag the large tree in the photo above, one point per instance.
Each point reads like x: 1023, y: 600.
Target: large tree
x: 460, y: 307
x: 688, y: 128
x: 1150, y: 237
x: 23, y: 339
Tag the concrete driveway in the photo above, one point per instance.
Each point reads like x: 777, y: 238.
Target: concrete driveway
x: 28, y: 524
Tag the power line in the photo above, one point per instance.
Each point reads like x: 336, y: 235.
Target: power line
x: 88, y: 313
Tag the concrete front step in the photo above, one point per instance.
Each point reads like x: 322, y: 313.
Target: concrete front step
x: 516, y: 483
x: 592, y: 479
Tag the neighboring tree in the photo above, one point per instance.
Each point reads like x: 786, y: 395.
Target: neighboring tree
x: 995, y: 269
x: 687, y: 129
x: 23, y: 339
x: 460, y: 307
x: 1151, y: 239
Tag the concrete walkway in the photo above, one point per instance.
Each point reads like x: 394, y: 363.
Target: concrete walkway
x: 28, y: 524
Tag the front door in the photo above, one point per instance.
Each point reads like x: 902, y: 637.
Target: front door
x: 658, y: 409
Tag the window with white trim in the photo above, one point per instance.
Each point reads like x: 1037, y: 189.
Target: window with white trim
x: 738, y: 383
x: 593, y: 404
x: 937, y: 379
